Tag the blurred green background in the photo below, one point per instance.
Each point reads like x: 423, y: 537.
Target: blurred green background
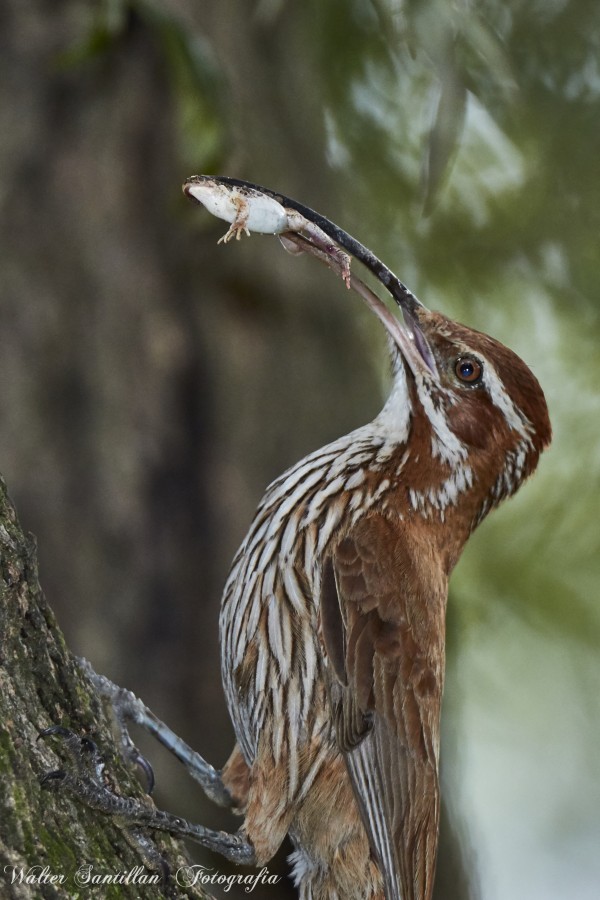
x: 153, y: 383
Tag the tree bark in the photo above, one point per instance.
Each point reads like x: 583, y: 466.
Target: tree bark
x: 41, y: 684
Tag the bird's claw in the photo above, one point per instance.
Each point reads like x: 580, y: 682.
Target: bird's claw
x: 55, y: 729
x: 122, y: 704
x: 85, y: 757
x: 56, y: 775
x: 142, y: 763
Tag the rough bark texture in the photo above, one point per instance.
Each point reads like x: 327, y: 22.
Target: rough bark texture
x: 41, y: 685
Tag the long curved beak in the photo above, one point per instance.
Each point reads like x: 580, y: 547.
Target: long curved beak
x: 251, y: 207
x: 407, y: 336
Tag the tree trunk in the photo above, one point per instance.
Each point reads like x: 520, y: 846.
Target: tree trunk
x: 49, y: 844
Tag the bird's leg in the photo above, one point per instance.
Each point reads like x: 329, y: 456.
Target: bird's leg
x: 126, y: 708
x: 86, y: 781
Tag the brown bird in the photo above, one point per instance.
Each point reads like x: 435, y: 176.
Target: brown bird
x: 332, y: 623
x: 333, y: 617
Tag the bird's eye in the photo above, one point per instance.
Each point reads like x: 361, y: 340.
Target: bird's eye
x: 468, y: 369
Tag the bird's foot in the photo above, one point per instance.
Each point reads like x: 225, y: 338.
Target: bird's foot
x: 85, y: 778
x: 127, y: 708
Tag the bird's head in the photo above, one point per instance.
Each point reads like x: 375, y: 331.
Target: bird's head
x: 479, y: 419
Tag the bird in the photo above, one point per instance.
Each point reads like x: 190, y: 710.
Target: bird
x: 333, y: 616
x: 332, y: 623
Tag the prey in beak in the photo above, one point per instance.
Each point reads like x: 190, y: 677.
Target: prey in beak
x: 251, y: 208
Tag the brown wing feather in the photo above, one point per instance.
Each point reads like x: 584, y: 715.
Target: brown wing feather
x: 383, y: 617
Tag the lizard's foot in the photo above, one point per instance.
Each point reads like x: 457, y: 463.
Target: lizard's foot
x: 239, y: 224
